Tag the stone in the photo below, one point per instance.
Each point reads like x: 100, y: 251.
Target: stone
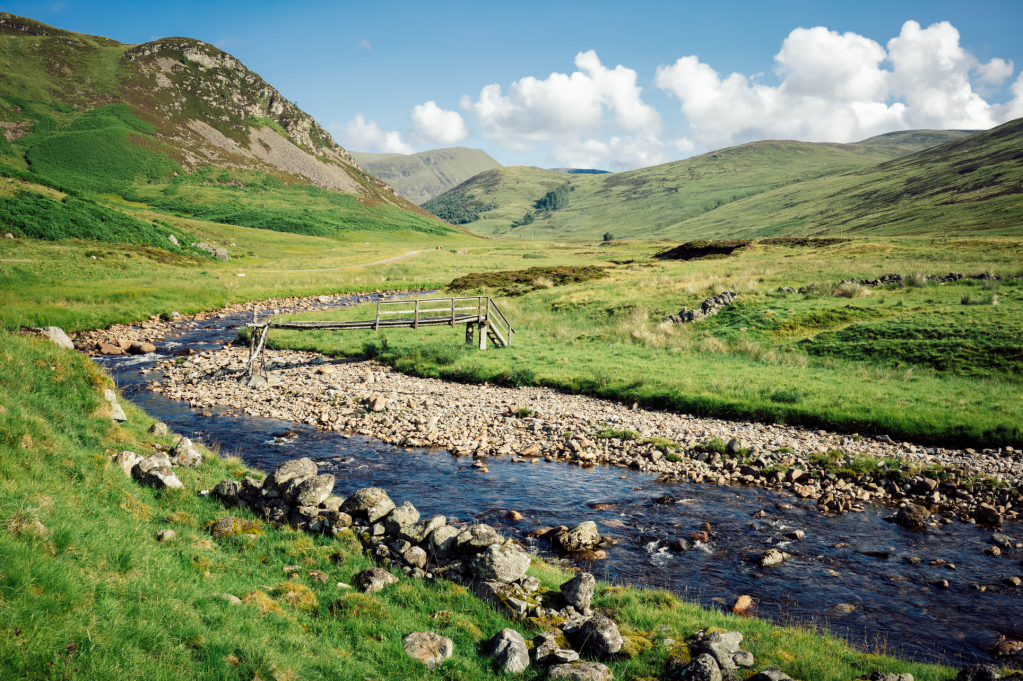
x: 979, y: 672
x: 579, y: 671
x: 989, y: 515
x: 734, y: 446
x: 600, y: 636
x: 500, y: 563
x: 170, y: 237
x: 701, y: 668
x: 443, y: 542
x: 418, y: 532
x: 582, y: 537
x: 551, y: 647
x: 367, y: 503
x: 229, y: 526
x: 165, y: 535
x: 332, y: 503
x: 1002, y: 540
x: 295, y: 472
x: 776, y: 675
x: 795, y: 534
x: 141, y: 348
x: 772, y: 557
x: 911, y: 516
x: 401, y: 518
x: 509, y: 651
x: 109, y: 349
x: 724, y: 648
x: 323, y: 299
x: 185, y: 454
x: 228, y: 491
x: 428, y: 648
x: 126, y: 461
x: 158, y: 429
x: 221, y: 254
x: 578, y: 591
x: 57, y: 336
x: 878, y: 675
x: 742, y: 605
x: 155, y: 470
x: 230, y: 598
x: 314, y: 491
x: 373, y: 579
x: 116, y: 412
x: 414, y: 556
x: 476, y: 538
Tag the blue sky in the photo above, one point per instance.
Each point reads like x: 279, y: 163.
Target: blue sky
x: 405, y: 76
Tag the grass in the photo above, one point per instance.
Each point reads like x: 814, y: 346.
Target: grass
x: 769, y: 189
x: 908, y: 361
x: 84, y: 583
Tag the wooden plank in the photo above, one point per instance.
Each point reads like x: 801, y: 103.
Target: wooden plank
x: 497, y: 332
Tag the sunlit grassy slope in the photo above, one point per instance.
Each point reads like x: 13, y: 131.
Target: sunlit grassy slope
x: 421, y: 176
x: 900, y: 183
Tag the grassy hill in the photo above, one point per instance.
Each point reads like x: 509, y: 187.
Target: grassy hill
x: 664, y: 201
x: 422, y: 176
x: 176, y: 125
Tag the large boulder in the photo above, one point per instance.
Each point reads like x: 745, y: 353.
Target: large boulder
x: 428, y: 648
x: 229, y: 526
x: 443, y: 542
x: 911, y: 516
x: 369, y: 503
x: 418, y: 532
x: 551, y: 647
x: 579, y: 671
x: 126, y: 461
x: 989, y: 515
x: 724, y: 648
x: 600, y: 636
x: 701, y: 668
x: 500, y: 563
x: 373, y: 579
x: 314, y: 491
x: 578, y: 591
x: 156, y: 471
x: 228, y: 491
x: 509, y: 651
x: 57, y: 335
x: 582, y: 537
x: 772, y: 557
x: 979, y: 672
x: 288, y: 476
x: 401, y: 518
x: 773, y: 674
x: 185, y: 454
x: 141, y: 348
x: 158, y: 429
x: 476, y: 538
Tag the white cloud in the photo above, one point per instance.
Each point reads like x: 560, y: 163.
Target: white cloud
x: 228, y: 42
x: 839, y: 88
x: 434, y: 125
x: 573, y: 111
x: 358, y: 135
x: 364, y: 45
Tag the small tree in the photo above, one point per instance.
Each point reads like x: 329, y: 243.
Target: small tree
x: 608, y: 236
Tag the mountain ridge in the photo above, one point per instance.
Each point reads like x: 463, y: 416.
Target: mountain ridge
x: 424, y: 175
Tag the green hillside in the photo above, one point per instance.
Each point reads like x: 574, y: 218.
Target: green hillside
x: 176, y: 125
x: 422, y: 176
x: 658, y: 202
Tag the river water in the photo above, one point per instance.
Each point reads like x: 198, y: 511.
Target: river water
x: 895, y: 607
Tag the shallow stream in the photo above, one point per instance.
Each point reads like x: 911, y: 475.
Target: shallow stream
x: 895, y: 607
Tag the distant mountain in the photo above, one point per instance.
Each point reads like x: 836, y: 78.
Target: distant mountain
x: 422, y: 176
x: 683, y: 198
x: 580, y: 171
x: 178, y: 125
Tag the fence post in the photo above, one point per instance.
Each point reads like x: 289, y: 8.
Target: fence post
x: 376, y: 327
x: 415, y: 320
x: 484, y: 324
x: 452, y: 312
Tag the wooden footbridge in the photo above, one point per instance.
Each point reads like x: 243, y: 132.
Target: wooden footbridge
x: 477, y: 313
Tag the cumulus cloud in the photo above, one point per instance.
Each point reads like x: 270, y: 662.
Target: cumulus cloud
x: 573, y: 111
x: 843, y: 87
x: 434, y: 125
x: 359, y: 135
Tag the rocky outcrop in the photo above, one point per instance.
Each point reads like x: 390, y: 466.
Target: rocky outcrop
x: 509, y: 651
x: 156, y: 471
x: 709, y: 308
x: 428, y: 648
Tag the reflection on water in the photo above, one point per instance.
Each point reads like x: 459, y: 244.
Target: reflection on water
x: 892, y: 600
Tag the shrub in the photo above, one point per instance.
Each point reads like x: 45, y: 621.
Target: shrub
x: 852, y: 289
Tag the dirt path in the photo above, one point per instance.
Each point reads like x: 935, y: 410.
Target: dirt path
x: 352, y: 267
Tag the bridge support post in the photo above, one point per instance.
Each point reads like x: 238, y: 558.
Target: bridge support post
x: 484, y: 326
x: 468, y: 334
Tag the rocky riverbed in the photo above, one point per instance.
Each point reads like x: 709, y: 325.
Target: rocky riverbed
x: 348, y: 396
